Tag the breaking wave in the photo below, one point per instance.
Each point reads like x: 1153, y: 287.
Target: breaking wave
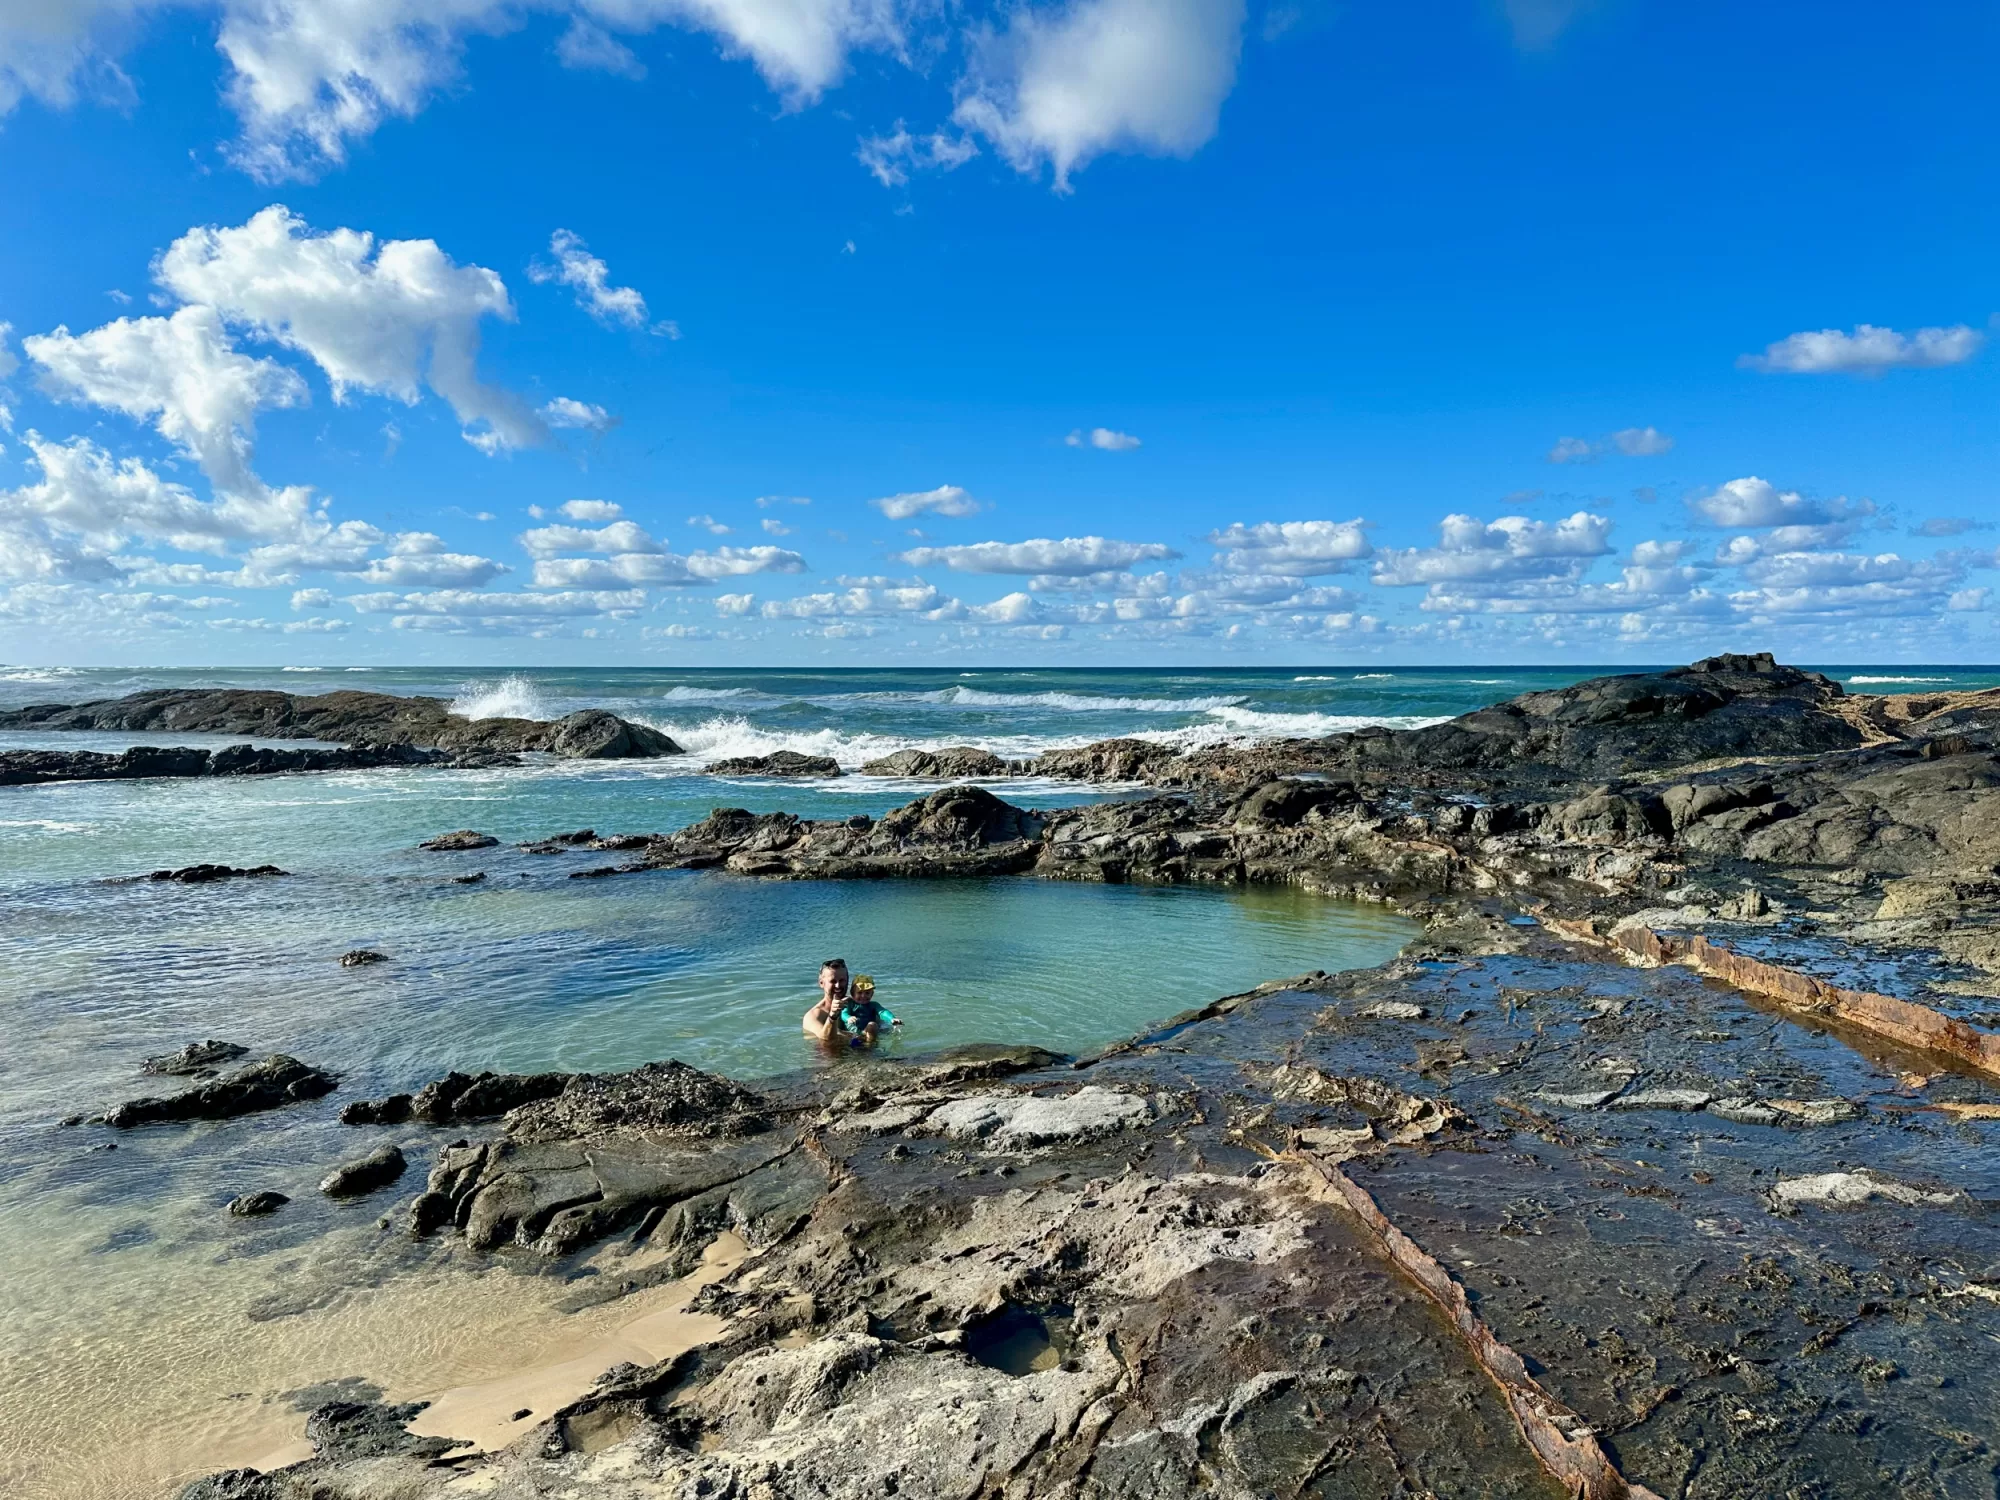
x: 1899, y: 679
x: 510, y: 698
x: 1086, y: 703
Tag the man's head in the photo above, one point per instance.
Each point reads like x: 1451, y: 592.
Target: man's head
x: 833, y: 978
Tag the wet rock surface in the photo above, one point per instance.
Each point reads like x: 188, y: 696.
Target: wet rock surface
x: 1620, y: 1182
x: 35, y: 767
x: 257, y: 1205
x: 779, y: 763
x: 380, y: 720
x: 195, y: 1060
x: 208, y: 874
x: 364, y: 1174
x: 271, y: 1084
x: 460, y: 841
x: 947, y: 764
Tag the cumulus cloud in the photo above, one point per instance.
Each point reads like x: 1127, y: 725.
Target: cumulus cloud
x: 460, y: 611
x: 1103, y: 438
x: 183, y: 374
x: 1632, y: 442
x: 624, y: 553
x: 418, y: 559
x: 1294, y: 548
x: 945, y: 500
x: 713, y: 527
x: 1061, y: 87
x: 387, y: 319
x: 1750, y: 503
x: 590, y: 278
x: 1868, y: 350
x: 1071, y: 555
x: 1846, y: 585
x: 772, y: 526
x: 1941, y: 526
x: 893, y: 157
x: 565, y: 412
x: 618, y: 536
x: 916, y: 601
x: 592, y: 510
x: 1509, y: 551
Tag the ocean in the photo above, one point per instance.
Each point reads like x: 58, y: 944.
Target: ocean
x: 148, y: 1333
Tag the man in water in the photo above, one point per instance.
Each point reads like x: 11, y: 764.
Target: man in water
x: 822, y: 1022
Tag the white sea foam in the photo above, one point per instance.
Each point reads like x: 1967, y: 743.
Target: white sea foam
x: 709, y: 695
x: 729, y: 736
x: 1237, y: 726
x: 1315, y: 679
x: 1899, y: 679
x: 47, y: 825
x: 510, y: 698
x: 37, y: 674
x: 1086, y: 703
x: 1373, y: 676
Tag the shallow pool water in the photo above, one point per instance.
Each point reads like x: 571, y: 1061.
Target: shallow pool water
x: 148, y: 1332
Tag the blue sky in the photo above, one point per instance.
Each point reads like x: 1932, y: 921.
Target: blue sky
x: 762, y: 331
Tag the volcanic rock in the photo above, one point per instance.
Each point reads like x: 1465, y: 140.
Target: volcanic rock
x: 256, y: 1205
x: 454, y: 843
x: 778, y: 763
x: 364, y: 1174
x: 361, y: 958
x: 276, y: 1081
x: 948, y: 764
x: 196, y: 1059
x: 206, y: 874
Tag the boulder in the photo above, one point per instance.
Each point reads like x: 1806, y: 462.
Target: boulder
x: 594, y: 734
x: 394, y: 1110
x: 1287, y: 802
x: 276, y: 1081
x: 256, y: 1205
x: 196, y: 1059
x: 463, y: 839
x: 351, y: 1179
x: 949, y: 764
x: 779, y: 763
x: 361, y: 958
x: 1107, y: 760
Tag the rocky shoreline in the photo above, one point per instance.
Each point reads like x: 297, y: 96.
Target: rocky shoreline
x: 1624, y: 1180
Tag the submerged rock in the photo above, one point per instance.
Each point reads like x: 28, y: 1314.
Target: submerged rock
x: 276, y: 1081
x: 364, y: 1174
x: 361, y: 958
x: 668, y: 1097
x: 778, y: 763
x: 196, y: 1059
x: 205, y: 874
x: 256, y: 1205
x: 463, y: 839
x: 1847, y: 1188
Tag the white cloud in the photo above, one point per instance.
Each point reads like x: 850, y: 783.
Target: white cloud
x: 621, y: 570
x: 619, y: 536
x: 919, y: 601
x: 1749, y: 503
x: 417, y: 559
x: 1300, y: 549
x: 734, y: 604
x: 565, y: 412
x: 468, y: 605
x: 772, y: 526
x: 8, y: 362
x: 893, y: 157
x: 387, y: 320
x: 1104, y: 438
x: 592, y: 510
x: 588, y: 47
x: 1632, y: 442
x: 181, y: 373
x: 590, y: 278
x: 1509, y: 550
x: 945, y: 500
x: 713, y: 527
x: 1940, y: 526
x: 1071, y: 555
x: 311, y: 599
x: 59, y: 50
x: 765, y: 502
x: 317, y: 625
x: 1065, y: 86
x: 1868, y: 350
x: 735, y: 562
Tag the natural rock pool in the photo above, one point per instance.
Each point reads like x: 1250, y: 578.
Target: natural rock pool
x: 150, y: 1334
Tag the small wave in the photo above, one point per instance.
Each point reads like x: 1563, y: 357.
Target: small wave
x: 1315, y: 679
x: 358, y: 669
x: 1373, y: 676
x: 37, y: 674
x: 1085, y: 703
x: 1899, y: 679
x: 302, y: 669
x: 708, y: 695
x: 729, y: 736
x: 49, y: 825
x: 510, y: 698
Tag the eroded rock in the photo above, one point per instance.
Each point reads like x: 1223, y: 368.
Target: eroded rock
x: 271, y: 1084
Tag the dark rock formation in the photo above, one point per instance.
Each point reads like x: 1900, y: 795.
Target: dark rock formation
x: 944, y: 765
x: 364, y: 1174
x: 462, y: 840
x: 34, y: 767
x: 257, y: 1205
x: 778, y: 763
x: 361, y: 958
x: 665, y: 1098
x: 1107, y: 760
x: 206, y: 874
x: 276, y: 1081
x: 457, y: 1098
x: 195, y: 1060
x: 350, y: 718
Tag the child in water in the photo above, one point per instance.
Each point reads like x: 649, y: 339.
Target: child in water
x: 863, y: 1017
